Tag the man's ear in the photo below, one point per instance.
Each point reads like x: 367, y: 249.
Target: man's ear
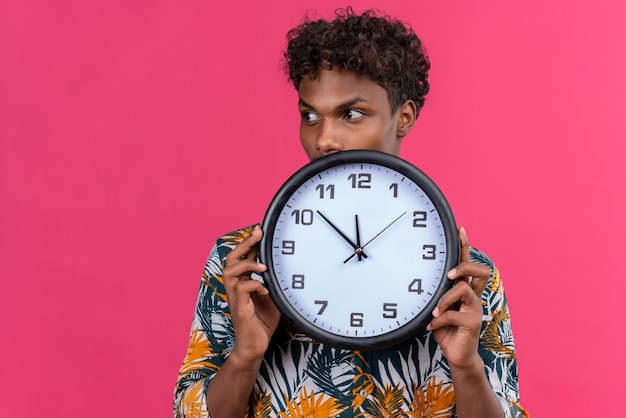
x: 407, y: 114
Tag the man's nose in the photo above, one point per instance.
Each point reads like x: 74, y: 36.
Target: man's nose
x: 329, y: 140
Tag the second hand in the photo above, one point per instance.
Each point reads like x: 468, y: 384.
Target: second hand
x: 375, y: 236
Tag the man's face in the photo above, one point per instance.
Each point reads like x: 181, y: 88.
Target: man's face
x: 341, y: 110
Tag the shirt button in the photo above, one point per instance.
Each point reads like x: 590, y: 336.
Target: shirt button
x: 363, y: 393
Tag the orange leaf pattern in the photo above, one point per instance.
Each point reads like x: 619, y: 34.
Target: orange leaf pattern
x: 302, y: 378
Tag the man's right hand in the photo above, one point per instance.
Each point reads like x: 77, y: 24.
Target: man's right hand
x: 254, y: 315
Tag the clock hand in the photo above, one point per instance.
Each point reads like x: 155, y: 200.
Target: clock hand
x: 375, y: 236
x: 357, y: 249
x: 358, y: 238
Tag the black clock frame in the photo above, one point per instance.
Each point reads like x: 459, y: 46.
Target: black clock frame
x: 287, y: 190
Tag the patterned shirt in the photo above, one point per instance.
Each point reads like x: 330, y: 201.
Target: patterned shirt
x: 300, y: 377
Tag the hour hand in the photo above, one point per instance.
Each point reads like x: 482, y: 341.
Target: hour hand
x: 375, y: 236
x: 357, y: 249
x: 358, y: 238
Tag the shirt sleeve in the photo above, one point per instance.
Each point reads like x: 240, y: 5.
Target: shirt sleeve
x: 212, y: 335
x: 210, y: 341
x: 497, y: 347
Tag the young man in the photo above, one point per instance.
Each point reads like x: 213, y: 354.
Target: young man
x: 361, y: 82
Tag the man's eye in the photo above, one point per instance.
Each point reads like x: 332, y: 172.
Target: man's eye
x: 310, y: 117
x: 353, y: 114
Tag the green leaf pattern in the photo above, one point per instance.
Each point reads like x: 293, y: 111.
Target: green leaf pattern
x: 303, y: 378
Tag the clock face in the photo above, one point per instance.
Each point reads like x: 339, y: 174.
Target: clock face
x: 358, y: 245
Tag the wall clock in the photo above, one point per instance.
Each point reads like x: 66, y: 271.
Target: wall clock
x: 357, y: 246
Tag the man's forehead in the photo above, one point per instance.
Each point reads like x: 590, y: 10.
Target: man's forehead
x: 335, y: 88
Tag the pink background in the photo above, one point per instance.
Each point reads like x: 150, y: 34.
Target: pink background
x: 133, y: 133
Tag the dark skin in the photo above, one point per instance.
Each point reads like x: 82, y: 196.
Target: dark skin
x: 341, y: 110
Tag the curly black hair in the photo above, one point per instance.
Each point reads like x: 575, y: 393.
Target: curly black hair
x: 380, y: 48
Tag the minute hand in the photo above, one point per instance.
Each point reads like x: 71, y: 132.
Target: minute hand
x: 344, y: 236
x: 376, y: 236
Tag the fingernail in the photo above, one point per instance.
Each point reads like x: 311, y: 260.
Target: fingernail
x: 436, y: 311
x: 452, y: 273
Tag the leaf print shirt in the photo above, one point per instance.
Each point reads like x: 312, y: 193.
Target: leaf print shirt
x: 300, y: 377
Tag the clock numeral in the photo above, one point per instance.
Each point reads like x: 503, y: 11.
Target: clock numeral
x: 419, y: 219
x: 324, y: 304
x: 363, y: 182
x: 431, y: 252
x: 330, y: 189
x: 297, y: 281
x: 416, y: 286
x: 289, y: 247
x: 356, y: 319
x: 394, y: 187
x: 304, y: 217
x: 390, y: 310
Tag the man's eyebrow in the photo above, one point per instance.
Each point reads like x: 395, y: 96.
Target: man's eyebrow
x: 304, y: 104
x: 344, y: 105
x: 351, y: 103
